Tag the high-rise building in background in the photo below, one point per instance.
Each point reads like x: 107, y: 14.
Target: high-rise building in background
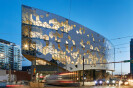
x: 131, y: 56
x: 10, y: 56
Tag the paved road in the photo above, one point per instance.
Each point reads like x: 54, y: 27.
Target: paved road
x: 92, y: 87
x: 49, y: 86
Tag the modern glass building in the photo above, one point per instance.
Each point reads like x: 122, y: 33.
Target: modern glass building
x: 56, y: 41
x: 10, y: 56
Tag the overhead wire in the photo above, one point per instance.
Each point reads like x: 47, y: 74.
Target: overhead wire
x: 122, y: 37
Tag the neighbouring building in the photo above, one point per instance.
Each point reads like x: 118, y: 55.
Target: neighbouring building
x: 58, y: 44
x: 15, y: 75
x: 10, y: 56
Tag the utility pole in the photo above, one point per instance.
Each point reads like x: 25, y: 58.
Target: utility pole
x: 83, y: 70
x: 35, y: 64
x: 121, y: 70
x: 114, y: 61
x: 66, y: 64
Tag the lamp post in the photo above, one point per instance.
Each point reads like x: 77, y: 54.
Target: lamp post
x: 121, y: 70
x: 83, y: 65
x: 83, y: 70
x: 65, y: 56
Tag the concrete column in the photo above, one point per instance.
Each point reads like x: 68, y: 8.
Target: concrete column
x: 103, y: 73
x: 32, y: 69
x: 94, y: 74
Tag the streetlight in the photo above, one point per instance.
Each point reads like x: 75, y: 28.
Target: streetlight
x: 83, y: 70
x: 83, y: 66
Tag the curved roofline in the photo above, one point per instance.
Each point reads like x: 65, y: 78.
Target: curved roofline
x: 70, y: 20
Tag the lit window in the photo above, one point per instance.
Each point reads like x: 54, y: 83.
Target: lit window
x: 81, y: 61
x: 74, y: 25
x: 76, y: 63
x: 59, y: 40
x: 88, y: 35
x: 72, y: 48
x: 55, y: 38
x: 46, y: 37
x: 61, y: 36
x: 25, y: 31
x: 73, y: 42
x: 77, y: 32
x: 51, y: 34
x: 80, y: 31
x: 69, y: 37
x: 91, y: 47
x: 88, y: 42
x: 92, y: 34
x: 93, y: 40
x: 87, y: 61
x: 66, y: 42
x: 44, y: 51
x: 61, y: 29
x: 37, y: 18
x: 47, y: 43
x: 90, y: 55
x: 99, y: 40
x: 84, y: 31
x: 66, y: 47
x: 104, y: 61
x: 96, y: 48
x: 25, y: 46
x: 41, y: 16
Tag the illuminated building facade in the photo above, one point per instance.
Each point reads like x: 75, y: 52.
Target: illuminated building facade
x: 54, y: 40
x: 10, y: 54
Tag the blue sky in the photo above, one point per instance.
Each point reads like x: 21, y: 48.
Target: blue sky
x: 110, y: 18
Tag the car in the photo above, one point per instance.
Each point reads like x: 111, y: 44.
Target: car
x: 62, y: 79
x: 100, y: 82
x: 112, y: 82
x: 14, y: 84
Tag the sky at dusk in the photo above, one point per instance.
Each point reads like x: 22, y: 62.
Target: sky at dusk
x: 111, y: 18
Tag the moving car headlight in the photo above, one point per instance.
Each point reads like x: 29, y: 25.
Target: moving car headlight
x: 120, y: 82
x: 126, y: 83
x: 113, y: 81
x: 100, y: 82
x: 95, y: 82
x: 107, y: 81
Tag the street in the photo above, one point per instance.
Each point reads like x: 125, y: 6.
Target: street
x: 82, y: 87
